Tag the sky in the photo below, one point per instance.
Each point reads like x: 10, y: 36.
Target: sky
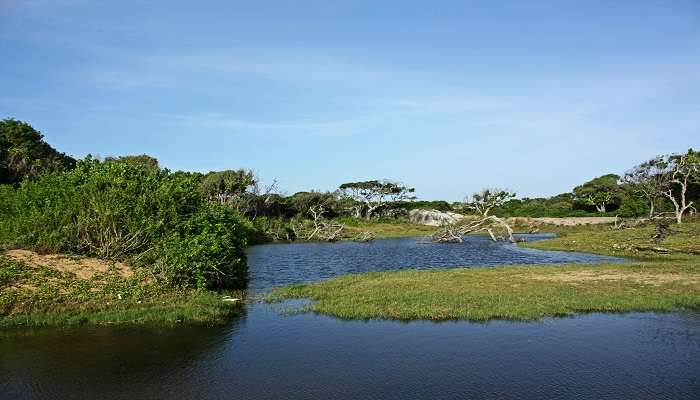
x: 445, y: 96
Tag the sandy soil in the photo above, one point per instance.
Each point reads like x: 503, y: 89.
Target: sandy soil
x: 82, y: 267
x: 644, y: 278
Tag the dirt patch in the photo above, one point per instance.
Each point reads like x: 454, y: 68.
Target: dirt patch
x: 81, y: 267
x: 597, y: 276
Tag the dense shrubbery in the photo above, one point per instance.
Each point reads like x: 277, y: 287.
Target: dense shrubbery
x: 132, y: 212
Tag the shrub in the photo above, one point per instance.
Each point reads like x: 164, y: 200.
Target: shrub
x: 131, y: 212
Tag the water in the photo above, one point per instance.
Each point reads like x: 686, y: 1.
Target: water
x: 263, y: 354
x: 283, y: 264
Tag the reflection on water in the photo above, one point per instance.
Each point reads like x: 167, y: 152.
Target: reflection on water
x: 265, y: 354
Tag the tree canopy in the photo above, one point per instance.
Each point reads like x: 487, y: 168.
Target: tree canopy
x: 374, y: 195
x: 599, y: 192
x: 141, y: 159
x: 25, y: 155
x: 225, y: 185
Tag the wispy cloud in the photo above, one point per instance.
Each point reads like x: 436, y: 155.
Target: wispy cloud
x: 233, y: 123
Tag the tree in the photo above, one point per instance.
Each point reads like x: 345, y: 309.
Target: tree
x: 599, y: 192
x: 227, y: 186
x: 25, y: 155
x: 679, y: 171
x: 318, y: 207
x: 481, y: 203
x: 647, y: 180
x: 304, y: 202
x: 375, y: 195
x: 142, y: 159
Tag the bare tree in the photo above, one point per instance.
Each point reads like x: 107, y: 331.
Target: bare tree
x: 679, y: 171
x: 482, y: 203
x: 324, y: 229
x: 316, y: 206
x: 374, y: 195
x: 647, y: 180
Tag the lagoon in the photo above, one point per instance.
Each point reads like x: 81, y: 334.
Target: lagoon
x: 266, y: 352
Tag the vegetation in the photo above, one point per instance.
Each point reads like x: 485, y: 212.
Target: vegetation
x: 679, y: 172
x: 124, y: 211
x: 370, y: 197
x: 481, y: 205
x: 39, y: 295
x: 184, y: 234
x: 383, y: 228
x: 654, y: 282
x: 25, y: 155
x: 600, y: 192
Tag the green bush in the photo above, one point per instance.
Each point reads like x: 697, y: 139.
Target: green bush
x: 129, y: 211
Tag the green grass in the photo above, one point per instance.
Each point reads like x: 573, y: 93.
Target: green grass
x: 45, y: 297
x: 652, y: 282
x: 384, y: 228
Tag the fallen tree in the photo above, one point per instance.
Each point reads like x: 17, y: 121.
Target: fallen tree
x: 481, y: 203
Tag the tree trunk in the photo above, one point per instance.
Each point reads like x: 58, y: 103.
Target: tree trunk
x: 493, y: 237
x: 651, y: 208
x: 371, y: 210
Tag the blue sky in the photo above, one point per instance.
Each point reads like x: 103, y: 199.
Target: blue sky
x: 446, y: 96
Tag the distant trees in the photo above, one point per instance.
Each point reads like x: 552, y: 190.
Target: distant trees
x: 646, y: 180
x: 599, y: 192
x: 141, y: 159
x: 373, y: 196
x: 227, y: 186
x: 25, y: 155
x: 678, y: 172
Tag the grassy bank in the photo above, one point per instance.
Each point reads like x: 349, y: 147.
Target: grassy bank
x: 62, y: 291
x: 652, y: 282
x: 384, y: 229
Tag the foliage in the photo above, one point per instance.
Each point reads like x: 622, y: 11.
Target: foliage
x: 600, y: 192
x: 302, y: 203
x: 487, y: 199
x: 680, y: 172
x: 646, y: 180
x: 440, y: 205
x: 226, y: 186
x: 142, y: 159
x: 42, y: 296
x: 25, y: 155
x: 129, y: 211
x: 374, y: 196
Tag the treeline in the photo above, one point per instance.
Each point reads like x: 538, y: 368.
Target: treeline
x: 191, y: 228
x: 668, y: 184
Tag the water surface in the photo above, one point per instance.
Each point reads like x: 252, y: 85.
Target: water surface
x: 267, y: 354
x: 283, y: 264
x: 261, y: 355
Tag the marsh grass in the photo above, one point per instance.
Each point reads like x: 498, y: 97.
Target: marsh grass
x: 650, y: 282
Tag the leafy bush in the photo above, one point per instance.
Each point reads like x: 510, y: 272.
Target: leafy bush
x: 132, y: 212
